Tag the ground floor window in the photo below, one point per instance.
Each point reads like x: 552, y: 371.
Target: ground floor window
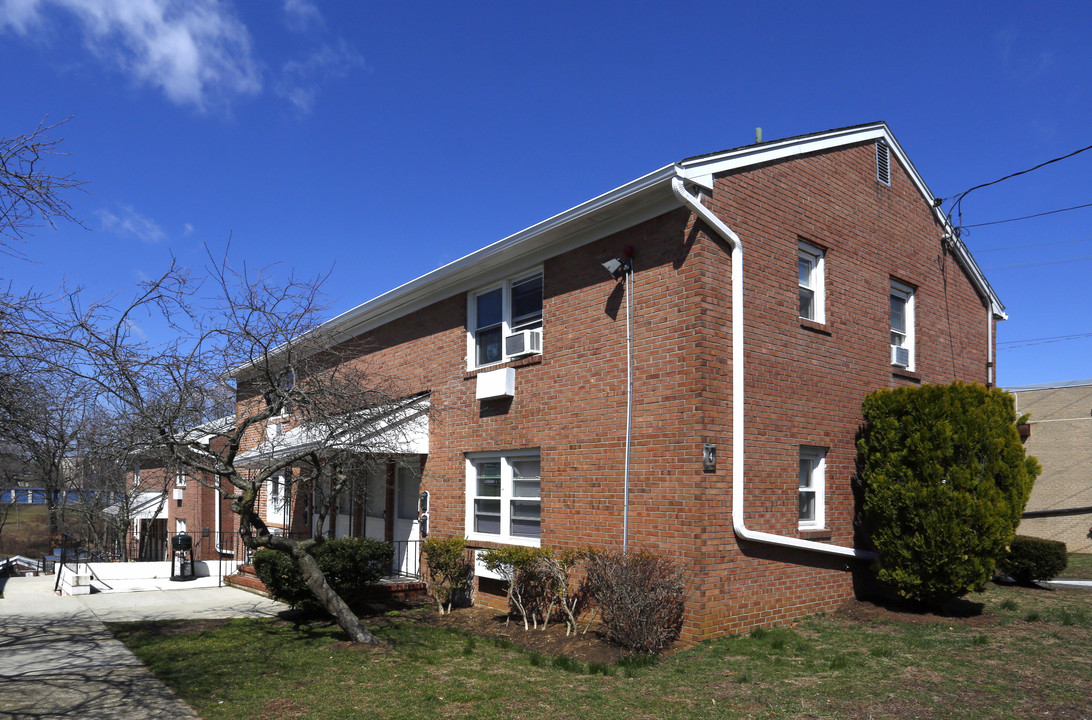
x: 812, y: 486
x: 503, y: 494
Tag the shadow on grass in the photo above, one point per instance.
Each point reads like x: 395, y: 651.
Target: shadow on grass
x: 956, y: 608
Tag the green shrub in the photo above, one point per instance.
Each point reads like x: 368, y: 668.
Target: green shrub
x: 351, y: 566
x: 449, y: 570
x: 640, y: 598
x: 944, y: 481
x: 1030, y: 559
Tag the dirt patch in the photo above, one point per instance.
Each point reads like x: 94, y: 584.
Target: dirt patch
x: 957, y: 612
x: 587, y: 647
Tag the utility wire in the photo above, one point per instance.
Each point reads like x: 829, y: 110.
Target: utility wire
x: 957, y: 206
x: 1028, y: 217
x: 1012, y: 344
x: 1037, y: 264
x: 1031, y: 245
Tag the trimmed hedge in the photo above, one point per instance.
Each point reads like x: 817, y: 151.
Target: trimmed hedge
x: 944, y: 480
x: 640, y: 596
x: 351, y: 566
x: 1030, y: 560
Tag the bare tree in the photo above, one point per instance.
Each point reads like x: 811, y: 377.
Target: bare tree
x: 263, y: 334
x: 29, y: 195
x: 44, y: 428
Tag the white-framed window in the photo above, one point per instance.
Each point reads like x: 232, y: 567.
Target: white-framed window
x: 136, y: 476
x: 813, y: 468
x: 503, y: 497
x: 902, y: 326
x: 286, y: 380
x: 498, y: 311
x: 277, y: 499
x: 180, y: 479
x: 179, y: 526
x: 810, y: 264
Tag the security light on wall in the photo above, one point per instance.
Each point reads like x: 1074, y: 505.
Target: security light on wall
x: 616, y: 268
x: 620, y: 267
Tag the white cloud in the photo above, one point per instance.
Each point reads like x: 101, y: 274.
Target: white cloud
x: 187, y: 229
x: 195, y: 51
x: 301, y: 79
x: 131, y: 224
x: 302, y: 15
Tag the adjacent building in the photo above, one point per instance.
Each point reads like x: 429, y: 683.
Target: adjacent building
x: 1059, y: 435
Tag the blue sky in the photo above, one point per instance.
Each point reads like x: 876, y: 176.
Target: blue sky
x: 377, y: 141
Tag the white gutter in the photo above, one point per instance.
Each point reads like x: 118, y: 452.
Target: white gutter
x: 738, y: 523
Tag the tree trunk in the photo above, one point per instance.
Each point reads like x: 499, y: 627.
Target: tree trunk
x: 330, y: 600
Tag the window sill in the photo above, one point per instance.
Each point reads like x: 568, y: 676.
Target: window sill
x: 901, y: 372
x: 815, y: 327
x: 517, y: 363
x: 815, y: 534
x: 479, y: 541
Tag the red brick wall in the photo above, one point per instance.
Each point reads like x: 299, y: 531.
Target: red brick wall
x: 804, y: 385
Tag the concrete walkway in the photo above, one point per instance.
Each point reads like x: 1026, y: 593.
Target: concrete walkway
x: 58, y: 660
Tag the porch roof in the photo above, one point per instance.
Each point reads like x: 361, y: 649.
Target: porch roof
x: 400, y: 429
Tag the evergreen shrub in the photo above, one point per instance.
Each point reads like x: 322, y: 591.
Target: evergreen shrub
x: 944, y: 481
x: 1030, y: 560
x: 351, y: 566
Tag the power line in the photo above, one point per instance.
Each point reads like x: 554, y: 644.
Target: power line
x: 1013, y: 344
x: 1037, y: 264
x: 957, y: 206
x: 1028, y: 217
x: 1031, y: 245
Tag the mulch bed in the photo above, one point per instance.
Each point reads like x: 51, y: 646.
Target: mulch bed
x: 485, y: 622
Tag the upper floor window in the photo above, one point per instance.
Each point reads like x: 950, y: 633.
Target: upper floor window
x: 277, y: 500
x: 500, y: 312
x: 504, y: 498
x: 812, y: 296
x: 180, y: 479
x: 813, y: 466
x: 902, y: 325
x: 286, y: 381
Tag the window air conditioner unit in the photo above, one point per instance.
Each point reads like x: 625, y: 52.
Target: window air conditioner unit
x: 900, y: 356
x: 524, y: 342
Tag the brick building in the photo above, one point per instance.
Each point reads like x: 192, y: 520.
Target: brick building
x: 1060, y: 437
x: 165, y: 500
x: 764, y: 291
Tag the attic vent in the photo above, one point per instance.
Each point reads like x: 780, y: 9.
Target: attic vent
x: 883, y: 163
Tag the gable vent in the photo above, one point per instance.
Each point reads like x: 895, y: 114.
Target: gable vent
x: 883, y: 163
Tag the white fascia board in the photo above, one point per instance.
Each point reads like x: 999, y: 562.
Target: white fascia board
x: 404, y: 430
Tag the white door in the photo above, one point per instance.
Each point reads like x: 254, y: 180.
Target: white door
x: 407, y: 532
x: 375, y: 503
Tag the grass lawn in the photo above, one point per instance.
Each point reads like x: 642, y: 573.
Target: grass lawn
x: 1025, y: 654
x: 26, y: 531
x: 1079, y: 567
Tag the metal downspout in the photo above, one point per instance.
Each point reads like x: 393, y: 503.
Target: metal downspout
x: 738, y: 524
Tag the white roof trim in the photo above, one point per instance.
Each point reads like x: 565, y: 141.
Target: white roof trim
x: 636, y: 201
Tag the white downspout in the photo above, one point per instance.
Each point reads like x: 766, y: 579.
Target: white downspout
x: 738, y: 524
x: 991, y: 373
x: 219, y: 534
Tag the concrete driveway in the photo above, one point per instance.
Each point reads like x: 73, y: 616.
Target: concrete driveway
x: 58, y: 660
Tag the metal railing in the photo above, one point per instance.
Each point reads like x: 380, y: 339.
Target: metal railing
x: 211, y: 547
